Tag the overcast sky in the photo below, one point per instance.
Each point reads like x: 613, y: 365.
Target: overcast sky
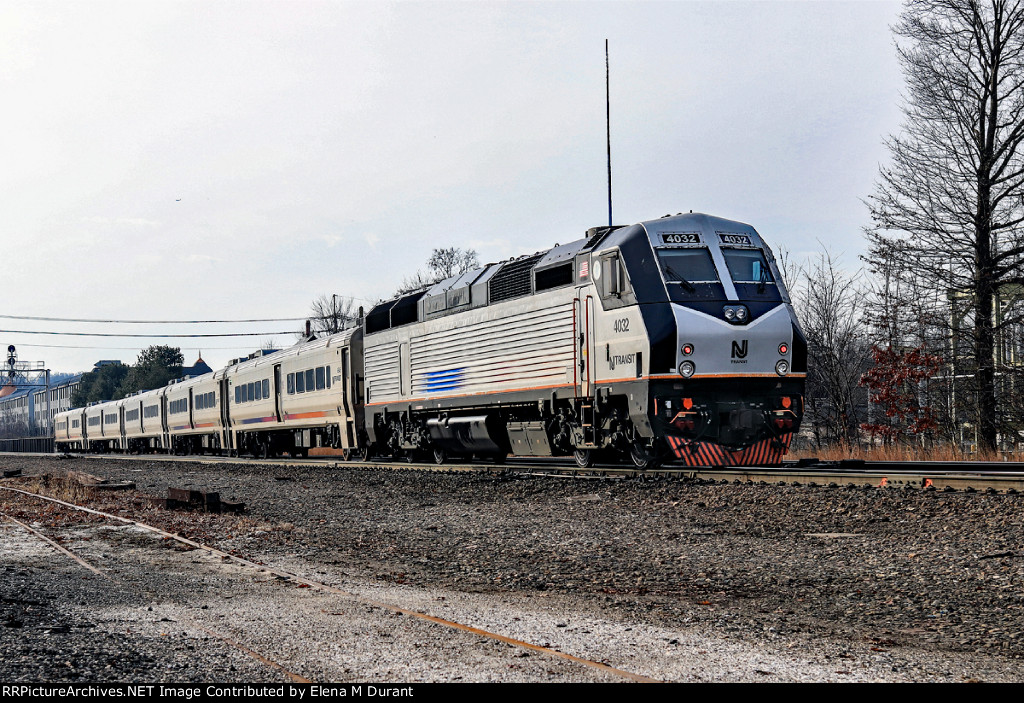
x: 234, y: 160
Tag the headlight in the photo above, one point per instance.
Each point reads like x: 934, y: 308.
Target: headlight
x: 736, y: 314
x: 782, y: 367
x: 686, y: 369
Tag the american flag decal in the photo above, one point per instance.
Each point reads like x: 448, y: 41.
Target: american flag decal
x: 584, y: 269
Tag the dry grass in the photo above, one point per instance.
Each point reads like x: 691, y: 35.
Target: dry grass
x: 900, y: 453
x: 61, y: 487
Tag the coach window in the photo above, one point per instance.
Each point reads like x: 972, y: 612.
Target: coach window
x: 291, y: 383
x: 310, y: 381
x: 266, y: 388
x: 320, y: 382
x: 328, y: 376
x: 300, y: 382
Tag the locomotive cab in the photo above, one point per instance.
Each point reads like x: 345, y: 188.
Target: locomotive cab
x: 736, y: 394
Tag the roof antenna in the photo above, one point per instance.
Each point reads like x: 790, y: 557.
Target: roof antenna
x: 608, y: 125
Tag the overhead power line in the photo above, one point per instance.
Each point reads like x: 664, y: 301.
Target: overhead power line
x: 135, y: 348
x: 162, y: 336
x: 149, y: 322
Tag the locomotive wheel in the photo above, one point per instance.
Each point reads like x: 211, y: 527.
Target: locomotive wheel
x: 584, y: 458
x: 643, y: 457
x: 440, y: 455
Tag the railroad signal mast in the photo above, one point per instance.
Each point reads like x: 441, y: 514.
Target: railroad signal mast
x: 28, y: 374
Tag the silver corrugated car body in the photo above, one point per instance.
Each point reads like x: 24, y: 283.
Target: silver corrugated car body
x: 526, y: 345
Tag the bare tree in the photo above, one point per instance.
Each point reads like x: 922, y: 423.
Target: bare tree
x: 909, y: 318
x: 332, y: 313
x: 949, y: 208
x: 443, y: 263
x: 830, y: 305
x: 446, y: 262
x: 415, y: 282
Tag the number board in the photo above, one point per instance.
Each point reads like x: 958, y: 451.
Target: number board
x: 730, y: 238
x: 680, y: 238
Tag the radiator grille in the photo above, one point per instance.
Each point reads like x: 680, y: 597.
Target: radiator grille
x: 513, y: 280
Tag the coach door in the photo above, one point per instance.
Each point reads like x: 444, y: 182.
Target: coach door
x: 347, y: 403
x: 225, y: 413
x: 277, y: 392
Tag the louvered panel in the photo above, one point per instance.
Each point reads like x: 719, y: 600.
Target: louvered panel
x: 381, y: 371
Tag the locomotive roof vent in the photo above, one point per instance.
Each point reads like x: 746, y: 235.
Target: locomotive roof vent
x: 513, y: 280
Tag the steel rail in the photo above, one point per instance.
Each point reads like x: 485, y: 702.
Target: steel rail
x: 63, y: 550
x: 297, y: 678
x: 67, y: 552
x: 1006, y: 477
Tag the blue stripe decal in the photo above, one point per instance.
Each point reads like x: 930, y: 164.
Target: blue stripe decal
x: 444, y: 380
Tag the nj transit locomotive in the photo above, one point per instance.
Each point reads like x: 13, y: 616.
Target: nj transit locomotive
x: 672, y: 339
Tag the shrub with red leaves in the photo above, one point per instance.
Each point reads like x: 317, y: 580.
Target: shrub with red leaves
x: 894, y: 383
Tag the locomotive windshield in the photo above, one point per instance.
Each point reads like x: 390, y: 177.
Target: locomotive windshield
x: 751, y: 274
x: 690, y: 274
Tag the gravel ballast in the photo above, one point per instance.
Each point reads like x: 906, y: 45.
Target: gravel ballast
x: 672, y: 580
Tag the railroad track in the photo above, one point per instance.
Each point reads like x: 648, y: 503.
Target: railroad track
x: 666, y: 532
x: 999, y: 477
x: 302, y: 582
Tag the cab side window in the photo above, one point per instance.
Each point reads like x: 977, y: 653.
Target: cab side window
x: 612, y: 281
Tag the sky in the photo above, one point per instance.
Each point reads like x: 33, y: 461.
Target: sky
x: 166, y: 161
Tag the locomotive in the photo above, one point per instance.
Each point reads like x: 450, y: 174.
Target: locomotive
x: 668, y: 340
